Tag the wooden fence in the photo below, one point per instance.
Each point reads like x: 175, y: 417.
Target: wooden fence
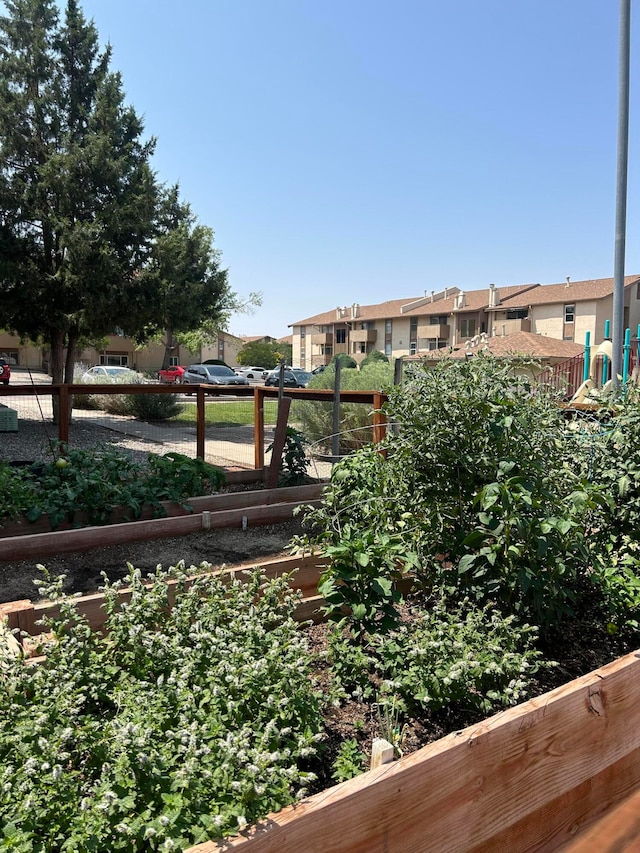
x: 62, y: 395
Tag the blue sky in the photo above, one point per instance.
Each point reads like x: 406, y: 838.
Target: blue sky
x: 355, y: 151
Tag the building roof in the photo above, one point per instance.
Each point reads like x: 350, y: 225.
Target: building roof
x: 444, y: 302
x: 569, y: 292
x: 381, y: 310
x: 518, y: 344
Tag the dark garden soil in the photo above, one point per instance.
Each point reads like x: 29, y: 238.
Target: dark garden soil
x: 580, y: 646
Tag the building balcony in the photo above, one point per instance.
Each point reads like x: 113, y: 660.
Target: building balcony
x: 363, y: 336
x: 431, y: 332
x: 322, y: 339
x: 501, y: 328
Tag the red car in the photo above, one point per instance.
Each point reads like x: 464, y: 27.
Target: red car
x: 5, y: 371
x: 171, y: 374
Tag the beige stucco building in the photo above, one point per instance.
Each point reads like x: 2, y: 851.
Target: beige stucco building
x: 451, y: 317
x: 121, y: 350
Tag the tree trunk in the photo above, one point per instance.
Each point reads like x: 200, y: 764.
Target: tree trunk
x: 70, y: 361
x: 169, y: 347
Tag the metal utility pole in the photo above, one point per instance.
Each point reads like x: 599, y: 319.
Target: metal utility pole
x: 621, y: 192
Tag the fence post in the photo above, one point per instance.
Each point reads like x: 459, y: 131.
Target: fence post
x: 335, y: 428
x: 271, y: 478
x: 64, y: 413
x: 379, y: 419
x: 200, y: 422
x: 258, y: 428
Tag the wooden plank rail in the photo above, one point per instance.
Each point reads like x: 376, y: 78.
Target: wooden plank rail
x: 528, y: 779
x: 26, y: 615
x: 228, y: 510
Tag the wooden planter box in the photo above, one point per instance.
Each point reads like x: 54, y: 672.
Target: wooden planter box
x: 532, y: 778
x: 25, y: 615
x: 528, y: 779
x: 263, y: 506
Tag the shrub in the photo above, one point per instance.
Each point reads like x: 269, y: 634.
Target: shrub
x: 356, y: 422
x: 372, y: 357
x: 480, y: 483
x: 345, y: 360
x: 153, y: 407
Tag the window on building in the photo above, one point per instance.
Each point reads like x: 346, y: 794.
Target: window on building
x: 326, y: 349
x: 569, y: 313
x: 387, y: 349
x: 173, y: 361
x: 413, y: 348
x: 388, y: 325
x: 438, y: 320
x: 467, y: 327
x: 517, y: 313
x: 303, y: 332
x: 303, y: 354
x: 111, y: 359
x: 341, y: 336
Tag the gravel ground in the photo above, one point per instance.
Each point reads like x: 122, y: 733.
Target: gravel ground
x: 33, y: 440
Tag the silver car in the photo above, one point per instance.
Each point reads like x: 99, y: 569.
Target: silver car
x: 212, y: 374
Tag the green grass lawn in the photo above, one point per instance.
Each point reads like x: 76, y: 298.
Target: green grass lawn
x: 232, y: 413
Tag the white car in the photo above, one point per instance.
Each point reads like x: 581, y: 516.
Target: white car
x: 251, y: 372
x: 111, y: 373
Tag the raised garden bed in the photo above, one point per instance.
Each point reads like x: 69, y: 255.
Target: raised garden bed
x: 529, y: 778
x: 261, y: 506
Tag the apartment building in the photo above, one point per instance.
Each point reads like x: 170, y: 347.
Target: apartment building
x: 451, y: 317
x: 121, y: 350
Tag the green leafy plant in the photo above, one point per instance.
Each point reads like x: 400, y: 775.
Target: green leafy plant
x: 349, y: 762
x: 174, y: 726
x: 528, y: 550
x: 360, y: 584
x: 294, y: 466
x: 98, y: 481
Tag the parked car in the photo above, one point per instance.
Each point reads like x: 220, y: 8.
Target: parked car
x: 293, y: 377
x: 112, y: 373
x: 275, y: 370
x: 216, y: 361
x: 212, y: 374
x: 172, y: 374
x: 251, y: 372
x: 5, y: 371
x: 319, y: 369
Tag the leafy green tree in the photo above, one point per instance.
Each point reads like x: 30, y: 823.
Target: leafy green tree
x: 265, y: 353
x: 345, y: 360
x: 183, y: 273
x: 77, y: 194
x: 372, y: 357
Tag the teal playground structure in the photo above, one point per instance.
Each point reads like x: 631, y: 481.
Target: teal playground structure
x: 596, y: 366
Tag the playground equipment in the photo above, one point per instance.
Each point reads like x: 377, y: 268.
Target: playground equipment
x: 601, y: 357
